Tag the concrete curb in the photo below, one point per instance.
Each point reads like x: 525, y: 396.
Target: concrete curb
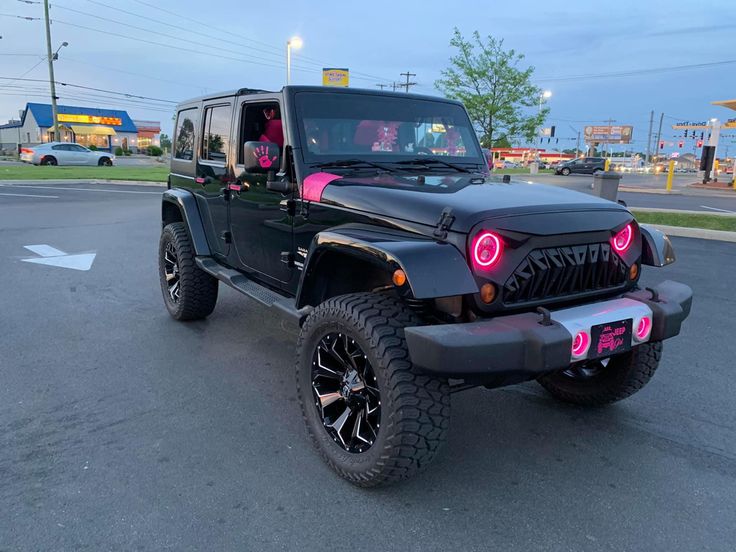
x: 83, y: 181
x: 679, y: 211
x: 700, y: 233
x: 638, y: 190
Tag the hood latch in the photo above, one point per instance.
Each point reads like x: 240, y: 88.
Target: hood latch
x: 444, y: 224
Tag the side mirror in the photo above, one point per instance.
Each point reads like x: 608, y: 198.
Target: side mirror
x: 261, y: 157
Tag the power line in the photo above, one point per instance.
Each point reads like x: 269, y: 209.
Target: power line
x: 634, y: 72
x: 93, y: 88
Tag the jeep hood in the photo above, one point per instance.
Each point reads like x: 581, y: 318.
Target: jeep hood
x: 474, y: 200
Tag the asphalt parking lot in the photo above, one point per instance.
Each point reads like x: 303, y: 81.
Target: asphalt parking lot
x: 121, y: 429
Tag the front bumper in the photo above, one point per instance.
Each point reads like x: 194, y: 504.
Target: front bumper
x: 518, y: 347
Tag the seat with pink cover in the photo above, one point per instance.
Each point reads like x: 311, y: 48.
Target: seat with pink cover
x: 273, y: 132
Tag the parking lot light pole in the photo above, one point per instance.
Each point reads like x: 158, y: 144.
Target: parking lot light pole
x: 296, y: 43
x: 546, y: 95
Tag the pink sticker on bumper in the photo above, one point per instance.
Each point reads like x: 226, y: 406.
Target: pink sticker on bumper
x: 315, y: 184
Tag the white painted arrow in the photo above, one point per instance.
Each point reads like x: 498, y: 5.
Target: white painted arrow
x: 55, y: 257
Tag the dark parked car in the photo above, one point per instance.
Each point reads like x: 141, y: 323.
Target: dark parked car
x: 581, y: 165
x: 409, y: 275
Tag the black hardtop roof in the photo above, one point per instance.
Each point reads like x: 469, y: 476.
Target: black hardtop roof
x: 324, y: 89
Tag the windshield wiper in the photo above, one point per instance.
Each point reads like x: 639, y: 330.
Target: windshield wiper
x: 433, y: 162
x: 352, y: 163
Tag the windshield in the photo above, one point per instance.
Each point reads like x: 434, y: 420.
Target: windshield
x: 383, y: 128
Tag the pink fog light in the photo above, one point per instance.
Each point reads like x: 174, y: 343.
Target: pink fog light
x: 644, y: 327
x: 580, y: 344
x: 622, y: 240
x: 486, y: 249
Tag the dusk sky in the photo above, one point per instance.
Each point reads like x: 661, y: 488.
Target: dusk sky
x: 222, y: 44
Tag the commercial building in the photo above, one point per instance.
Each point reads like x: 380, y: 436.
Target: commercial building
x: 105, y: 129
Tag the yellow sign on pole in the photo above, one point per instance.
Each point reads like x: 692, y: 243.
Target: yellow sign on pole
x: 333, y: 76
x: 670, y: 174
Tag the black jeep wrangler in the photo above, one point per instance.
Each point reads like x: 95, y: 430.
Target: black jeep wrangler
x: 370, y: 220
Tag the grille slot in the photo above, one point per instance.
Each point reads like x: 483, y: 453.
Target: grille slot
x: 558, y: 272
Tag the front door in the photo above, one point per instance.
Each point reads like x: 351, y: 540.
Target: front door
x: 260, y: 223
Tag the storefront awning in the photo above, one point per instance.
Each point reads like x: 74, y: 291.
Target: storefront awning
x: 96, y: 130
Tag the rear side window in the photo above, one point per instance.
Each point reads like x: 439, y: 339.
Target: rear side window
x: 185, y: 134
x: 216, y: 134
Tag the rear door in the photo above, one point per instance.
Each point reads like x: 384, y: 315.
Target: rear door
x: 63, y: 154
x: 212, y: 176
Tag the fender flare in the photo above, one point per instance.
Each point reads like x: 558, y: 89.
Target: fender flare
x: 433, y: 269
x: 187, y: 205
x: 657, y: 248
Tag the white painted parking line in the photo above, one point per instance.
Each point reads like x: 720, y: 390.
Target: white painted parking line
x: 21, y: 186
x: 45, y: 250
x: 28, y: 195
x: 717, y: 209
x: 51, y: 256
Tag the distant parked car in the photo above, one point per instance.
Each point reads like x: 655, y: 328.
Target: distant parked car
x: 63, y: 153
x: 581, y: 165
x: 505, y: 164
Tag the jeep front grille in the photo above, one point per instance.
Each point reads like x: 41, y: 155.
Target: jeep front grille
x: 559, y: 272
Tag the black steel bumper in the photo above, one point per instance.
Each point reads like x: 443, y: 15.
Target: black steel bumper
x: 518, y: 347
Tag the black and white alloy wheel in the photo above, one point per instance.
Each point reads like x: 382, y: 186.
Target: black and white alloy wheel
x: 345, y: 392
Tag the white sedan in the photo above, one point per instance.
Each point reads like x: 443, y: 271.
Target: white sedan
x: 63, y: 153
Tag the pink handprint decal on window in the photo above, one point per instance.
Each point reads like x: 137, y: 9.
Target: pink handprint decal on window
x: 261, y: 154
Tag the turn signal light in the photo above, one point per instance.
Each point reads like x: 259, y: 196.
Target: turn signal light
x: 633, y: 272
x: 622, y: 240
x: 580, y: 344
x: 487, y: 293
x: 399, y: 277
x: 486, y: 249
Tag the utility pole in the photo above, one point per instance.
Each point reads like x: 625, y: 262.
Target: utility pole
x: 393, y: 86
x: 407, y: 84
x: 659, y: 135
x: 382, y: 86
x: 649, y: 138
x: 52, y: 83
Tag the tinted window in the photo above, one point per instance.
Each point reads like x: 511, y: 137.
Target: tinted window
x: 60, y: 147
x: 75, y: 147
x: 216, y: 135
x: 383, y: 126
x: 185, y: 134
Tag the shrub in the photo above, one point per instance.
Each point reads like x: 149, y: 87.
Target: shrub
x: 92, y: 147
x: 126, y: 152
x: 118, y: 150
x: 155, y: 151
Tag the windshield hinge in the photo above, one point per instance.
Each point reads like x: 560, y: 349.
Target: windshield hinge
x: 444, y: 224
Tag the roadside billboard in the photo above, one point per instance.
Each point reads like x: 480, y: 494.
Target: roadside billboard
x: 334, y: 76
x: 619, y: 134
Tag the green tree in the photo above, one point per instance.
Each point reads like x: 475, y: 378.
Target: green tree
x: 165, y: 141
x: 498, y: 93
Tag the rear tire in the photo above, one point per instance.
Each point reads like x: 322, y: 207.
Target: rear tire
x: 413, y: 414
x: 621, y: 377
x: 189, y: 292
x: 49, y: 160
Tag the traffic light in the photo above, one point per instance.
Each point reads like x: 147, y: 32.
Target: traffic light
x: 686, y: 133
x: 661, y: 145
x: 680, y: 144
x: 552, y: 131
x: 700, y: 143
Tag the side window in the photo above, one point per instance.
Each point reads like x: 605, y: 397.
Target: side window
x: 75, y: 147
x: 216, y: 133
x: 260, y: 122
x: 60, y: 147
x: 185, y: 134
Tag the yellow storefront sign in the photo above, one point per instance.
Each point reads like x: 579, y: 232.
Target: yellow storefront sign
x: 89, y: 119
x: 332, y: 76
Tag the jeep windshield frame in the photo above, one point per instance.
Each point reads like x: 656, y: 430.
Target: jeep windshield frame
x: 382, y: 128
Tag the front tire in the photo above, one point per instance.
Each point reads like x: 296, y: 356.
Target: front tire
x: 596, y: 383
x: 105, y: 162
x: 565, y: 171
x: 373, y: 417
x: 189, y: 292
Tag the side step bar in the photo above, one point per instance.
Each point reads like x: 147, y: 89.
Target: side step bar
x: 254, y: 290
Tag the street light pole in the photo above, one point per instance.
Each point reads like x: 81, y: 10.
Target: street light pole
x: 546, y: 95
x: 52, y: 84
x: 296, y: 43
